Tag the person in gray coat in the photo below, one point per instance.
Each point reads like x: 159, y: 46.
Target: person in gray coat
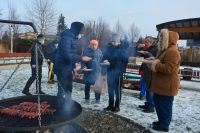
x: 90, y: 77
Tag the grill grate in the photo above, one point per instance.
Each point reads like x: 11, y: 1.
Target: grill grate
x: 9, y: 123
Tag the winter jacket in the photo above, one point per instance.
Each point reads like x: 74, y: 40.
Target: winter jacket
x: 165, y: 79
x: 94, y: 64
x: 33, y: 54
x: 66, y: 55
x: 118, y: 59
x: 146, y: 71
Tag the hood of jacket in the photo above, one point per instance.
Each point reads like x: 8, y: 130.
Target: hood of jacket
x: 167, y: 39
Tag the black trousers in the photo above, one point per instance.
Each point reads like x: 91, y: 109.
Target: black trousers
x: 33, y: 78
x: 87, y: 92
x: 64, y: 84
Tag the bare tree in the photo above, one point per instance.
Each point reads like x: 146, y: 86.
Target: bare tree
x: 13, y: 28
x: 118, y: 28
x: 12, y: 15
x: 1, y: 26
x: 42, y: 13
x: 133, y: 34
x: 97, y: 30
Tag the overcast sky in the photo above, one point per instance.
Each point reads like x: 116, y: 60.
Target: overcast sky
x: 146, y: 14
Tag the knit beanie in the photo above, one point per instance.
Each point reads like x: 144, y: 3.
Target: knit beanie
x: 77, y: 27
x: 94, y: 42
x: 115, y: 37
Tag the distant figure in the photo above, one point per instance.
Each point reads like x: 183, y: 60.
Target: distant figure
x: 40, y: 41
x: 90, y: 77
x: 165, y: 80
x: 117, y: 56
x: 50, y: 54
x: 50, y: 72
x: 66, y: 58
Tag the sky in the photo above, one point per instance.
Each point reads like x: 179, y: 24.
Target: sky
x: 145, y: 14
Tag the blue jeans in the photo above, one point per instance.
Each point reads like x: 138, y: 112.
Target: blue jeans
x: 149, y: 99
x: 163, y: 106
x: 114, y: 89
x: 143, y: 87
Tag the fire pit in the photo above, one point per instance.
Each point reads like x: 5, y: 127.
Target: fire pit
x: 58, y: 119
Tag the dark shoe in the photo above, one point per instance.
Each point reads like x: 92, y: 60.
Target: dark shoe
x: 109, y: 108
x: 97, y: 102
x: 143, y: 106
x: 156, y: 123
x: 87, y: 101
x: 158, y: 128
x: 40, y: 92
x: 115, y: 110
x: 148, y: 110
x: 142, y: 97
x: 51, y: 81
x: 26, y: 93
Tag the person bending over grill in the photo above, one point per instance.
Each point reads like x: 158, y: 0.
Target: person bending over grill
x: 116, y: 54
x: 66, y: 58
x: 40, y: 42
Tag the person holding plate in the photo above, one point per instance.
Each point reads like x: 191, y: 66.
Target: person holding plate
x: 90, y: 77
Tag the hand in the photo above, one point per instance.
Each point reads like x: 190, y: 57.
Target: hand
x: 86, y: 58
x: 141, y: 45
x: 150, y: 58
x: 106, y: 62
x: 74, y: 72
x: 148, y: 61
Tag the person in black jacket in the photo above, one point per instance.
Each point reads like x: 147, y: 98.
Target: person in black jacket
x: 66, y: 57
x: 116, y: 55
x: 36, y: 46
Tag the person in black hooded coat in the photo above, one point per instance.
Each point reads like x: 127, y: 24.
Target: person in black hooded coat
x: 66, y: 57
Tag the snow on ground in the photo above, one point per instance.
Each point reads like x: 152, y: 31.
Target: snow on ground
x: 186, y: 109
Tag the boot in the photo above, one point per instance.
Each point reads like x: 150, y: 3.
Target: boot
x: 26, y: 92
x: 110, y: 107
x: 40, y: 92
x: 116, y: 108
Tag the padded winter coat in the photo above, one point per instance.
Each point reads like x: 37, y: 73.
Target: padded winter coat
x: 165, y: 80
x: 94, y: 64
x: 66, y: 55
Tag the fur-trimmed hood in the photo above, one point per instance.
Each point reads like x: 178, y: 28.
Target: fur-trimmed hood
x: 167, y: 39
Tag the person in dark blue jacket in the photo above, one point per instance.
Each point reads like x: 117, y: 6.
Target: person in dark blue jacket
x: 94, y: 64
x: 116, y: 55
x: 66, y: 57
x: 40, y: 41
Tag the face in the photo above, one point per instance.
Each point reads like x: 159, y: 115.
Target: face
x: 94, y: 46
x: 148, y: 42
x: 41, y: 40
x: 80, y: 36
x: 115, y: 43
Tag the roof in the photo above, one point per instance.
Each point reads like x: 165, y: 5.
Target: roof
x: 187, y: 28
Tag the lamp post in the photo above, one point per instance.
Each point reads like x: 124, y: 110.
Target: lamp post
x: 11, y: 41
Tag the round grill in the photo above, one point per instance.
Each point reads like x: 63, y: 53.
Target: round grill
x: 59, y: 118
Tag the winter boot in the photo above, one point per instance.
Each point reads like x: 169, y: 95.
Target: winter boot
x: 110, y: 107
x: 26, y: 92
x: 116, y: 108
